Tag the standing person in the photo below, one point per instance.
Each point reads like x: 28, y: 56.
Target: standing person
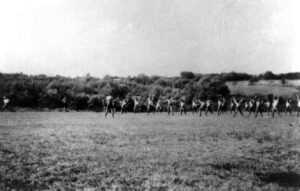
x: 258, y: 108
x: 110, y: 106
x: 232, y: 105
x: 150, y: 105
x: 182, y: 106
x: 238, y: 105
x: 288, y: 106
x: 246, y: 106
x: 194, y: 105
x: 208, y: 107
x: 136, y: 103
x: 169, y: 102
x: 158, y: 107
x: 268, y: 106
x: 298, y: 106
x: 275, y: 105
x: 123, y: 104
x: 251, y: 106
x: 5, y: 102
x: 221, y: 105
x: 64, y: 103
x: 103, y: 101
x: 202, y: 105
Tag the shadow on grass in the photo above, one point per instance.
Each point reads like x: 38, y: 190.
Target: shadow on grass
x: 284, y: 179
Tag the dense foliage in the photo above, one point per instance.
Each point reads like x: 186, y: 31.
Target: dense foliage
x: 41, y: 91
x: 268, y: 75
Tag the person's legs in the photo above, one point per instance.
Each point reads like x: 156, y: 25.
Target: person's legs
x: 172, y: 110
x: 278, y: 112
x: 261, y: 112
x: 106, y: 111
x: 241, y: 112
x: 235, y: 112
x: 285, y: 111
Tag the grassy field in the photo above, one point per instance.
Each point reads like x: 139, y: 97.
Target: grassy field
x: 84, y: 151
x: 265, y: 87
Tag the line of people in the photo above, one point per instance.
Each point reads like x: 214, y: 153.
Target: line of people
x: 255, y: 105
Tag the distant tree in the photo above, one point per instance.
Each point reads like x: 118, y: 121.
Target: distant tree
x: 211, y: 85
x: 142, y: 79
x: 162, y: 82
x: 234, y: 76
x: 187, y: 75
x: 268, y: 75
x: 180, y: 83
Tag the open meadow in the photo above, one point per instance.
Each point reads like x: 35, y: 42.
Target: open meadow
x: 265, y: 87
x: 85, y: 151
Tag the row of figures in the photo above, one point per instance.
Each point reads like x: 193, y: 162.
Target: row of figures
x: 255, y: 105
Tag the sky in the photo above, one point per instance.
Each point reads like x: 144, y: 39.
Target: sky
x: 129, y: 37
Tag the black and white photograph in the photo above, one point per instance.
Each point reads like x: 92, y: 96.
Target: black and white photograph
x: 149, y: 95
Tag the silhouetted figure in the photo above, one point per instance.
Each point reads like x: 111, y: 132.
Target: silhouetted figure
x: 258, y: 104
x: 5, y: 102
x: 182, y: 106
x: 288, y: 106
x: 169, y: 102
x: 110, y: 106
x: 238, y: 105
x: 275, y: 105
x: 136, y: 102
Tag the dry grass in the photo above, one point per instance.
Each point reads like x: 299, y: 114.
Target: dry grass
x: 68, y: 151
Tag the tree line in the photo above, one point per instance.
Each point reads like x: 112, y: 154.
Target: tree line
x: 268, y: 75
x: 86, y: 93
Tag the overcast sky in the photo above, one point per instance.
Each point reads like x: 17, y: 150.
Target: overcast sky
x: 128, y: 37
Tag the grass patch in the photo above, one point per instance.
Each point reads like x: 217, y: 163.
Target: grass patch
x: 69, y: 151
